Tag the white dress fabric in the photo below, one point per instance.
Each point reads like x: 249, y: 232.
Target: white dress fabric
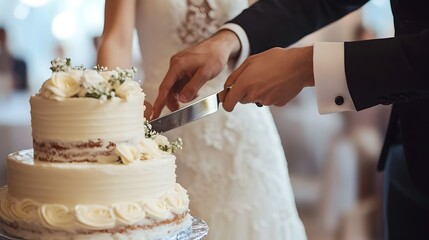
x: 232, y: 164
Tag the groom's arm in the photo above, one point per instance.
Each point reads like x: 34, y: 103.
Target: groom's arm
x: 364, y: 73
x: 280, y: 23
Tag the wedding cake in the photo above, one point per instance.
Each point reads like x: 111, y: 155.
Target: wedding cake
x: 96, y: 170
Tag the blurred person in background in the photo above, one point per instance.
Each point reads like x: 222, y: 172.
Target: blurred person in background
x: 232, y: 164
x: 13, y: 71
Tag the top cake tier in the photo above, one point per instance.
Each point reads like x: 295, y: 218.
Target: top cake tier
x: 84, y: 129
x: 83, y: 115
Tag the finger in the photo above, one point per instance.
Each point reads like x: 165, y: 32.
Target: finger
x: 172, y: 102
x: 233, y: 76
x: 148, y: 110
x: 190, y: 90
x: 235, y: 94
x: 255, y: 96
x: 170, y: 79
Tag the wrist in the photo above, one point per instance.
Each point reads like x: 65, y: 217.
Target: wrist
x: 229, y: 41
x: 307, y: 63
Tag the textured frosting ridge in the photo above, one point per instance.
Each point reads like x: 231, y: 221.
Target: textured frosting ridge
x: 92, y: 217
x: 89, y: 183
x: 77, y: 119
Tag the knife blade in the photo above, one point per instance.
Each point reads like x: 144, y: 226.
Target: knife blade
x: 194, y: 111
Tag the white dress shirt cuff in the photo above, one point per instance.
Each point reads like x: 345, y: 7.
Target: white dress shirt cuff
x: 244, y: 42
x: 330, y: 78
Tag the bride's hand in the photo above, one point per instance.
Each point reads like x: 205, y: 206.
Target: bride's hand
x: 148, y: 110
x: 194, y: 66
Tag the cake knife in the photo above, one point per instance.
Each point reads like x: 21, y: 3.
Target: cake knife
x: 199, y: 109
x: 196, y: 110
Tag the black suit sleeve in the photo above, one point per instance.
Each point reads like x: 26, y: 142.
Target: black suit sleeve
x: 280, y: 23
x: 381, y: 71
x: 385, y: 71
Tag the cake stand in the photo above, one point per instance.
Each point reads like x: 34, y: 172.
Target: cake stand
x: 197, y: 231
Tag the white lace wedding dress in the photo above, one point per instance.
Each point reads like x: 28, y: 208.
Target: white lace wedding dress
x: 232, y: 164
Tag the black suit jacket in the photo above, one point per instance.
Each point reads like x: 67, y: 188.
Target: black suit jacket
x: 382, y: 71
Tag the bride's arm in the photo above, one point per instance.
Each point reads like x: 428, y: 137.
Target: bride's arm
x: 116, y: 40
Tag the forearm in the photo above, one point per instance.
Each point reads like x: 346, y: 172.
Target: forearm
x: 114, y: 53
x: 385, y: 71
x: 279, y: 23
x: 117, y: 38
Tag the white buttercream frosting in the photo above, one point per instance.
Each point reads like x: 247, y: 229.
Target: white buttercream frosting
x: 157, y: 209
x: 26, y: 210
x: 90, y: 196
x: 83, y: 119
x: 6, y: 204
x: 89, y: 183
x: 95, y: 216
x: 129, y: 213
x: 177, y: 200
x: 57, y: 216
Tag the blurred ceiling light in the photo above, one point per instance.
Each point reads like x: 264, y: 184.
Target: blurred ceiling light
x: 63, y: 26
x: 34, y: 3
x: 21, y: 11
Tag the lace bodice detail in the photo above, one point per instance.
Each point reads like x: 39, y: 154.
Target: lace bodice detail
x: 200, y: 22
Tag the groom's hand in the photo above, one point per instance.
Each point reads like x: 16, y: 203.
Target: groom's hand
x: 272, y: 77
x: 194, y: 66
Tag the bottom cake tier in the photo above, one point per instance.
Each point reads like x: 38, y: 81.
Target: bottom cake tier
x: 136, y: 232
x: 92, y: 201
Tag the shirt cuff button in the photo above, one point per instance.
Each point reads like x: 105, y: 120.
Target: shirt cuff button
x: 339, y: 100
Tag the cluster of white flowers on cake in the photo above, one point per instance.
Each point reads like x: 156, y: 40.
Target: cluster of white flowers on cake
x: 69, y: 81
x: 152, y: 146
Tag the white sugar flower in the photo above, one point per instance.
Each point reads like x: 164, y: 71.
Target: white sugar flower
x: 76, y: 73
x: 150, y: 148
x: 94, y: 85
x: 107, y: 74
x: 61, y: 85
x: 128, y: 153
x: 128, y: 88
x: 162, y: 140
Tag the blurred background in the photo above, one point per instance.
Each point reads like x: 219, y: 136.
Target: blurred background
x: 331, y: 158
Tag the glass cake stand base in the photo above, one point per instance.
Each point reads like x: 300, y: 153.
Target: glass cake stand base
x: 197, y: 231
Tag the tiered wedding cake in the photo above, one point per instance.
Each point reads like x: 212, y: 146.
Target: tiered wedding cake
x: 97, y: 170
